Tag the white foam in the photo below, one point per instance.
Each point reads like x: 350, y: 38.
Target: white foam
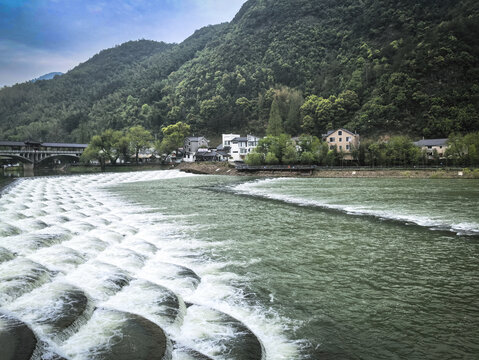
x: 107, y: 247
x: 257, y: 188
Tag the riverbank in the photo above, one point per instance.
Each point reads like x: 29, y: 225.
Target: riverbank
x: 222, y: 168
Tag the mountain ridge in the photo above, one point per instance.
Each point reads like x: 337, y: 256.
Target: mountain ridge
x: 375, y: 66
x: 48, y: 76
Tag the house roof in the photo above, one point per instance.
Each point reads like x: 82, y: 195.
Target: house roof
x: 431, y: 142
x: 208, y: 154
x: 64, y: 145
x: 342, y: 129
x: 196, y: 138
x: 12, y: 143
x: 23, y: 143
x: 237, y: 139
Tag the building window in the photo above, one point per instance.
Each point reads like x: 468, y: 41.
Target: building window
x: 340, y: 133
x: 331, y: 139
x: 340, y: 139
x: 331, y: 147
x: 227, y: 142
x: 429, y: 147
x: 340, y: 147
x: 235, y: 152
x: 347, y: 147
x: 242, y: 151
x: 348, y: 138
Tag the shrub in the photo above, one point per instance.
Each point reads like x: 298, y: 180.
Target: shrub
x: 271, y: 159
x: 254, y: 159
x: 307, y: 158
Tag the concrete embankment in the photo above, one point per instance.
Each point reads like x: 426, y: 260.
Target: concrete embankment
x: 222, y: 168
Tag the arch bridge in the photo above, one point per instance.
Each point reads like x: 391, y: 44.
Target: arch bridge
x: 32, y: 153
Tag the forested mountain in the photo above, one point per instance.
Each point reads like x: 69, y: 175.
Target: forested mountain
x: 374, y: 66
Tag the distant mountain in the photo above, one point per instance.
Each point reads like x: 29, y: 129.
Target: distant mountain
x: 48, y: 76
x: 373, y: 66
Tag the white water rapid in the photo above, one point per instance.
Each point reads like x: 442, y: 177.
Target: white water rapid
x: 95, y: 277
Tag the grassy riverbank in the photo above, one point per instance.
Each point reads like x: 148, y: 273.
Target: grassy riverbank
x: 222, y: 168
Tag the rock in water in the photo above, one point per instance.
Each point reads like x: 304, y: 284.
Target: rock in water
x: 141, y: 340
x: 17, y: 340
x: 20, y: 276
x: 222, y: 335
x: 117, y: 335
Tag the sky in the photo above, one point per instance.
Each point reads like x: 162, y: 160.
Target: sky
x: 42, y: 36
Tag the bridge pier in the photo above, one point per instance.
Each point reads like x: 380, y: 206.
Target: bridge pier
x: 28, y: 169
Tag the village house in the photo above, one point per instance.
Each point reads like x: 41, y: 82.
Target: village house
x: 191, y: 146
x: 211, y: 155
x: 238, y: 147
x: 429, y: 145
x: 344, y: 141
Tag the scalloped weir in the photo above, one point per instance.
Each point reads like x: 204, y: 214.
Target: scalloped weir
x: 86, y: 275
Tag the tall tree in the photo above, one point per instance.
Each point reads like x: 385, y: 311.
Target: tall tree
x: 173, y: 137
x: 275, y: 123
x: 139, y: 139
x: 105, y: 147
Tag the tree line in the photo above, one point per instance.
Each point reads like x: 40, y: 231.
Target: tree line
x: 111, y: 145
x: 395, y: 151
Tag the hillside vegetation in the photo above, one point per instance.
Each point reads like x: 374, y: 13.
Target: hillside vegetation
x: 373, y: 66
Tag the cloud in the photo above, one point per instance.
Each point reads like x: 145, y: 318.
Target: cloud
x: 20, y: 63
x: 34, y: 30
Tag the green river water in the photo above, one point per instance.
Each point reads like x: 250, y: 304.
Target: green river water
x: 346, y: 268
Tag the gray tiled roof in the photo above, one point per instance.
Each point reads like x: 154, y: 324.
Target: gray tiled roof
x: 12, y: 143
x: 22, y: 143
x: 431, y: 142
x: 196, y: 138
x: 64, y: 145
x: 342, y: 129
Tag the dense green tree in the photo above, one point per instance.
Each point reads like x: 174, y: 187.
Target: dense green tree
x: 290, y: 154
x: 376, y: 67
x: 173, y: 137
x: 307, y: 158
x: 105, y: 147
x: 254, y: 159
x: 271, y: 159
x: 139, y: 139
x: 275, y: 122
x: 463, y: 150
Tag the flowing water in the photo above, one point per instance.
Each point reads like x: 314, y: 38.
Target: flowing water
x: 212, y: 267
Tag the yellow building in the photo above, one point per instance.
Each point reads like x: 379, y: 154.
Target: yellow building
x: 429, y: 145
x: 344, y: 141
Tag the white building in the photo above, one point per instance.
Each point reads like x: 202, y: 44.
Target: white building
x: 239, y: 146
x: 191, y: 146
x: 227, y: 139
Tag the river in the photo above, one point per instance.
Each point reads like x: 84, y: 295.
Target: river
x: 240, y: 268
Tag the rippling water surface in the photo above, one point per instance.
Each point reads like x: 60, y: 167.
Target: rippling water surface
x: 236, y: 268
